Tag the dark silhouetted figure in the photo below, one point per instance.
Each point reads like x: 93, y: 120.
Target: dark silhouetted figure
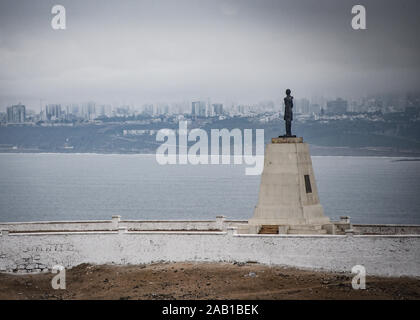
x: 288, y: 112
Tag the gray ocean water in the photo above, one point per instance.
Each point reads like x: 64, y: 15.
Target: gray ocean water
x: 37, y: 187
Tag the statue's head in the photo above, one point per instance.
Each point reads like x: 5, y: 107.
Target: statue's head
x: 288, y: 92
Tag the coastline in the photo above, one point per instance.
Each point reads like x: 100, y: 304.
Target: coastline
x: 413, y: 157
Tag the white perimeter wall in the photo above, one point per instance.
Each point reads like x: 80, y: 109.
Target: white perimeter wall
x: 393, y: 255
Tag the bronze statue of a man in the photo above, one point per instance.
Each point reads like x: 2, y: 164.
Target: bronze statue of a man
x: 288, y: 112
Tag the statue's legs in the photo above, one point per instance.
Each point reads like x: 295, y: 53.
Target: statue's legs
x: 288, y: 128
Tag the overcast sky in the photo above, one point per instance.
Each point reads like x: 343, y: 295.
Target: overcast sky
x: 171, y: 50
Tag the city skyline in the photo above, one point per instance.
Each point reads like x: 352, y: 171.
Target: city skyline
x: 321, y: 106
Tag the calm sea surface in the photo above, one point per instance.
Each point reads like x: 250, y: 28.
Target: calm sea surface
x: 36, y: 187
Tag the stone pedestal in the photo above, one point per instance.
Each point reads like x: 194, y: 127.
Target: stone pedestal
x: 288, y: 195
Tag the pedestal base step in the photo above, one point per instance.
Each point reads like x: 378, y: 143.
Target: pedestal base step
x: 269, y: 229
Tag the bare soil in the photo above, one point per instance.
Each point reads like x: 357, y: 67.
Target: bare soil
x: 203, y: 281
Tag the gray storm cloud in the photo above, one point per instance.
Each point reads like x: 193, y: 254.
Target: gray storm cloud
x: 244, y: 50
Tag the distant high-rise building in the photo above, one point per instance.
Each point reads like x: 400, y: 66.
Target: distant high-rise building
x: 165, y: 109
x: 101, y: 110
x: 3, y: 117
x: 302, y: 106
x: 193, y: 108
x: 53, y: 111
x: 75, y: 110
x: 241, y: 109
x: 336, y: 107
x: 147, y: 109
x: 16, y: 113
x: 218, y: 109
x: 198, y: 109
x: 88, y: 111
x: 91, y: 110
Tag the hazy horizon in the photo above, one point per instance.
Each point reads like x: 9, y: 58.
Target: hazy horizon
x: 245, y: 51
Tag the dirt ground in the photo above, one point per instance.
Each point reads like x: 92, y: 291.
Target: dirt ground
x: 203, y: 281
